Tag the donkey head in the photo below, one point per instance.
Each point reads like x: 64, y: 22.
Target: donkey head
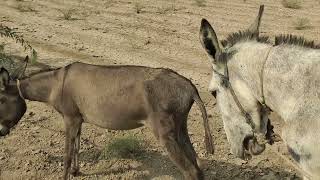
x: 12, y: 106
x: 239, y: 133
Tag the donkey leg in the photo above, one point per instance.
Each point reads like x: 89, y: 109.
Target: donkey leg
x: 72, y: 127
x: 75, y: 168
x: 188, y: 148
x: 168, y: 135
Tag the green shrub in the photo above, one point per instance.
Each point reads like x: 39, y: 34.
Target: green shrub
x: 302, y: 23
x: 67, y: 14
x: 200, y: 3
x: 138, y: 7
x: 6, y: 32
x: 124, y: 147
x: 293, y: 4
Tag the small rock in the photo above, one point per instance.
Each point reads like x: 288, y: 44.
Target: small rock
x: 37, y: 151
x: 147, y: 42
x: 82, y: 165
x: 31, y: 114
x: 42, y: 118
x: 2, y: 158
x: 240, y: 162
x: 213, y: 173
x: 36, y: 128
x: 28, y: 163
x: 195, y: 145
x: 164, y: 153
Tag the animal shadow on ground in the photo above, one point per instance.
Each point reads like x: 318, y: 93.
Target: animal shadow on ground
x: 157, y: 164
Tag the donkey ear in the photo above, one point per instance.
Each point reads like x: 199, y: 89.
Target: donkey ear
x: 24, y: 66
x: 4, y: 79
x: 20, y: 70
x: 254, y: 28
x: 208, y: 39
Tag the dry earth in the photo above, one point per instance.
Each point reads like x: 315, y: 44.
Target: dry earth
x: 157, y: 33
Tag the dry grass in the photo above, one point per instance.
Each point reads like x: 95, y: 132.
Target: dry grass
x: 168, y: 9
x: 302, y: 23
x: 67, y: 14
x: 138, y: 7
x: 9, y: 176
x: 109, y: 3
x: 293, y: 4
x: 24, y: 8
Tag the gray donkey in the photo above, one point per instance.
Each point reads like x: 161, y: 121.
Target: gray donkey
x: 251, y: 76
x: 112, y: 97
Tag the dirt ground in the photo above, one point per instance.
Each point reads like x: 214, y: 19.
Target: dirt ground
x: 157, y: 33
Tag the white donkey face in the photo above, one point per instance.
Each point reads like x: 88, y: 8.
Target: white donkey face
x: 237, y: 130
x: 239, y: 133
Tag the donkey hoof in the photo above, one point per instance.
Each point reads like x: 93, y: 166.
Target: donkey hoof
x: 75, y: 172
x: 203, y: 164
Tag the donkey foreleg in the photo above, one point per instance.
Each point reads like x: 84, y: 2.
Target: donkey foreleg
x: 75, y: 168
x: 72, y: 126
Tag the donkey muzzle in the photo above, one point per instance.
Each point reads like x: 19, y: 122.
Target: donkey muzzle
x: 4, y: 130
x: 254, y: 147
x: 214, y: 94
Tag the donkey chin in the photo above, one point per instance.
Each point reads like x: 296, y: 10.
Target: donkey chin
x: 251, y: 147
x: 4, y: 130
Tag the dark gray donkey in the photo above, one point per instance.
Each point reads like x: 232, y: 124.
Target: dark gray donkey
x: 112, y: 97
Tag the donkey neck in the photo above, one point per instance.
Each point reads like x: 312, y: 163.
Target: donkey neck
x: 38, y: 87
x: 291, y: 81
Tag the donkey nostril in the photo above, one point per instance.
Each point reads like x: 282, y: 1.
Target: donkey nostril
x: 214, y: 94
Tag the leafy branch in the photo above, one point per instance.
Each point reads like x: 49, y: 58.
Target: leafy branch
x: 11, y: 33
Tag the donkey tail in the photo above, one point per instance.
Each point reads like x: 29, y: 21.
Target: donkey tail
x: 207, y: 136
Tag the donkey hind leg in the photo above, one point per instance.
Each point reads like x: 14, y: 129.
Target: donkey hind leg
x: 75, y: 168
x: 187, y: 146
x: 72, y: 126
x: 164, y: 128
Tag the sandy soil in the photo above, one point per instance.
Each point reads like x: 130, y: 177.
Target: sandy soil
x: 163, y: 34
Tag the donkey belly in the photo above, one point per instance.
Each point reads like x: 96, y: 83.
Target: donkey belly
x: 115, y: 102
x: 117, y: 118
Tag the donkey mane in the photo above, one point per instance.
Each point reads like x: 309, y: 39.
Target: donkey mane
x: 295, y: 40
x: 247, y: 35
x: 41, y: 71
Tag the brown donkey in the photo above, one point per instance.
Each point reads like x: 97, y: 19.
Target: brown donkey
x: 112, y: 97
